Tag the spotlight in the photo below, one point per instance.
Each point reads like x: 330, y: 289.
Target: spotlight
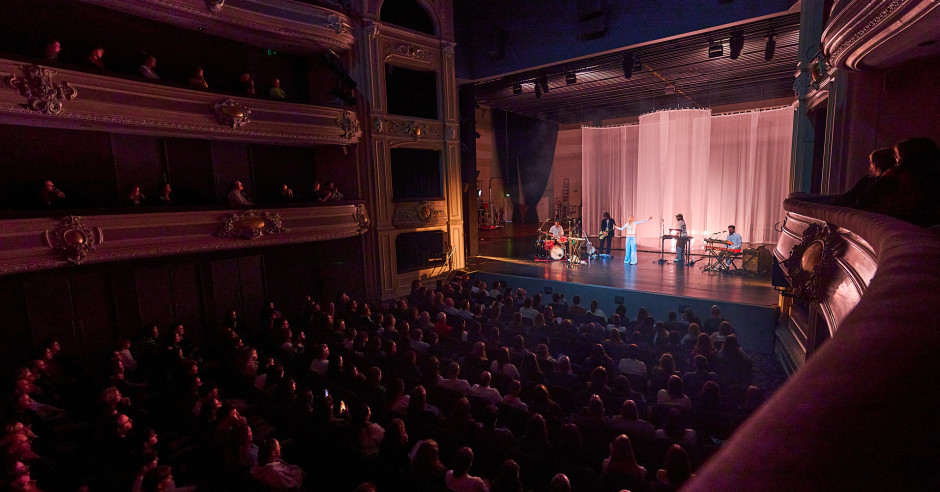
x: 770, y: 47
x: 538, y: 90
x: 715, y: 49
x: 571, y: 78
x: 517, y: 89
x: 543, y: 81
x: 627, y: 65
x: 736, y: 44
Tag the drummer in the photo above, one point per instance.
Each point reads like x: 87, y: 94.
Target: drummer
x: 557, y: 232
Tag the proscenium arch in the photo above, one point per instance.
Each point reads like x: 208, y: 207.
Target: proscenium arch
x: 410, y: 14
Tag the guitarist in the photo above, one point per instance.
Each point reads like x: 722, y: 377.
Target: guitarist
x: 607, y: 234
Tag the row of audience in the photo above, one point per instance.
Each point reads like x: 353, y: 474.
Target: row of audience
x: 347, y: 394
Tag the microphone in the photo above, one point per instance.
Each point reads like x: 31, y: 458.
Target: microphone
x: 58, y: 193
x: 141, y: 196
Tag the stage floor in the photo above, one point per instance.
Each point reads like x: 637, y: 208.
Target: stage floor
x: 510, y: 251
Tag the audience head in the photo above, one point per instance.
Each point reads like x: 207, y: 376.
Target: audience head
x: 560, y: 483
x: 678, y: 469
x: 880, y: 161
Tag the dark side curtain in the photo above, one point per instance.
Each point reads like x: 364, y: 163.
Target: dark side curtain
x: 525, y: 149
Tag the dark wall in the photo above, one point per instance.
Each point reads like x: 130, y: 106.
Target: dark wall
x: 88, y: 308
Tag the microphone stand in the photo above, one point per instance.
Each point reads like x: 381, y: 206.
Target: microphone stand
x: 662, y: 242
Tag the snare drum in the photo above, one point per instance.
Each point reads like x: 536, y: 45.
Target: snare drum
x: 549, y: 244
x: 557, y: 252
x: 563, y: 239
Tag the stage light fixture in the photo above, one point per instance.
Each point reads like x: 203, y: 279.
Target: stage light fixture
x: 627, y: 65
x: 517, y: 89
x: 571, y: 78
x: 715, y: 49
x: 543, y: 81
x: 736, y: 44
x: 770, y: 47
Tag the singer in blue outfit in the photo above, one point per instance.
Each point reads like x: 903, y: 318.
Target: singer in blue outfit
x: 630, y: 226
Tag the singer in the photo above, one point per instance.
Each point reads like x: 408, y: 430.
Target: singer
x: 50, y: 196
x: 630, y: 226
x: 134, y: 197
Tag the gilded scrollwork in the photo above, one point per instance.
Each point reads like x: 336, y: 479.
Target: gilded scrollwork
x: 362, y: 218
x: 41, y: 93
x: 73, y: 238
x: 409, y: 51
x: 413, y: 129
x: 232, y: 113
x: 378, y: 125
x: 373, y: 29
x: 349, y: 124
x: 333, y: 22
x: 215, y: 5
x: 251, y: 224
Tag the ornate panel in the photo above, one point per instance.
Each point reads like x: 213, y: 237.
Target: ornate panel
x: 880, y: 33
x: 419, y: 214
x: 79, y: 100
x: 36, y: 244
x: 280, y: 24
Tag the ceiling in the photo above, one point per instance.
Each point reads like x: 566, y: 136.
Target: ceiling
x: 667, y: 74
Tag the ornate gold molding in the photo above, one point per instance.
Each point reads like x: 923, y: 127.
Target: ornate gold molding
x: 73, y: 238
x: 874, y: 22
x: 812, y: 263
x: 232, y: 113
x: 373, y: 29
x: 418, y: 214
x: 378, y: 125
x: 41, y: 93
x: 349, y: 125
x: 413, y: 129
x: 408, y: 50
x: 251, y: 224
x: 361, y: 217
x: 215, y: 5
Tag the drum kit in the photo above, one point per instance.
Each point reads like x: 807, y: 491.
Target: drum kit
x: 551, y: 248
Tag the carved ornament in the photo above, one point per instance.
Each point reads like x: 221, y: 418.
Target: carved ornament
x: 41, y: 93
x: 251, y: 224
x: 349, y: 125
x: 413, y: 129
x: 378, y: 125
x: 215, y: 5
x: 232, y: 113
x: 417, y: 214
x: 878, y: 18
x: 73, y: 238
x: 362, y: 218
x: 373, y: 29
x: 333, y: 22
x: 410, y: 51
x: 451, y: 133
x: 448, y: 50
x: 812, y: 262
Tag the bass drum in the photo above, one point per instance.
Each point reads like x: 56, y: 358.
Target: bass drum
x: 557, y: 252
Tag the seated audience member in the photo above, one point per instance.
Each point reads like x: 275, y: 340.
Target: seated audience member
x: 51, y: 50
x: 237, y: 197
x: 695, y: 380
x: 673, y: 395
x: 501, y: 364
x: 246, y: 83
x: 427, y: 471
x: 275, y: 91
x: 198, y: 80
x: 718, y: 337
x: 661, y: 373
x: 483, y: 389
x: 133, y: 198
x: 147, y: 68
x: 393, y: 449
x: 712, y: 323
x: 575, y: 309
x: 164, y: 199
x: 50, y: 196
x: 285, y: 195
x: 94, y: 57
x: 907, y: 190
x: 507, y: 478
x: 512, y: 396
x: 560, y: 483
x: 630, y: 423
x: 453, y: 381
x: 332, y: 193
x: 620, y: 471
x: 676, y: 472
x: 273, y: 472
x: 535, y: 438
x: 630, y: 363
x: 564, y: 376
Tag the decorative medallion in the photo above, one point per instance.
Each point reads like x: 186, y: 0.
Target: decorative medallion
x: 73, y: 238
x: 215, y: 5
x: 251, y: 224
x: 41, y: 93
x: 448, y: 49
x: 232, y: 113
x: 813, y: 261
x: 410, y: 51
x: 451, y: 133
x: 373, y: 29
x: 362, y: 218
x: 423, y: 212
x: 378, y: 125
x: 413, y: 129
x: 349, y: 125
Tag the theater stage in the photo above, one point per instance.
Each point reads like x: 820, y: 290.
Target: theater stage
x: 748, y: 301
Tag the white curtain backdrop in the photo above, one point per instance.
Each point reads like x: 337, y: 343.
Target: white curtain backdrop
x: 715, y: 170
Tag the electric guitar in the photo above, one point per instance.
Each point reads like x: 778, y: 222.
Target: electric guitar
x: 603, y: 234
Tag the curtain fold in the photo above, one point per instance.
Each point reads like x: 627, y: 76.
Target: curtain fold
x: 525, y: 149
x: 715, y: 170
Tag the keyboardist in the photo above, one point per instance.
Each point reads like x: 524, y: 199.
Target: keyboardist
x: 734, y: 246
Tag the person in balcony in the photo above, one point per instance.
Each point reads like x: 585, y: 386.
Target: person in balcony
x: 237, y: 197
x: 50, y: 196
x: 198, y: 80
x: 285, y: 195
x: 51, y: 50
x: 247, y: 84
x: 147, y: 68
x: 275, y: 91
x: 332, y: 193
x: 94, y: 58
x: 164, y: 199
x: 134, y: 197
